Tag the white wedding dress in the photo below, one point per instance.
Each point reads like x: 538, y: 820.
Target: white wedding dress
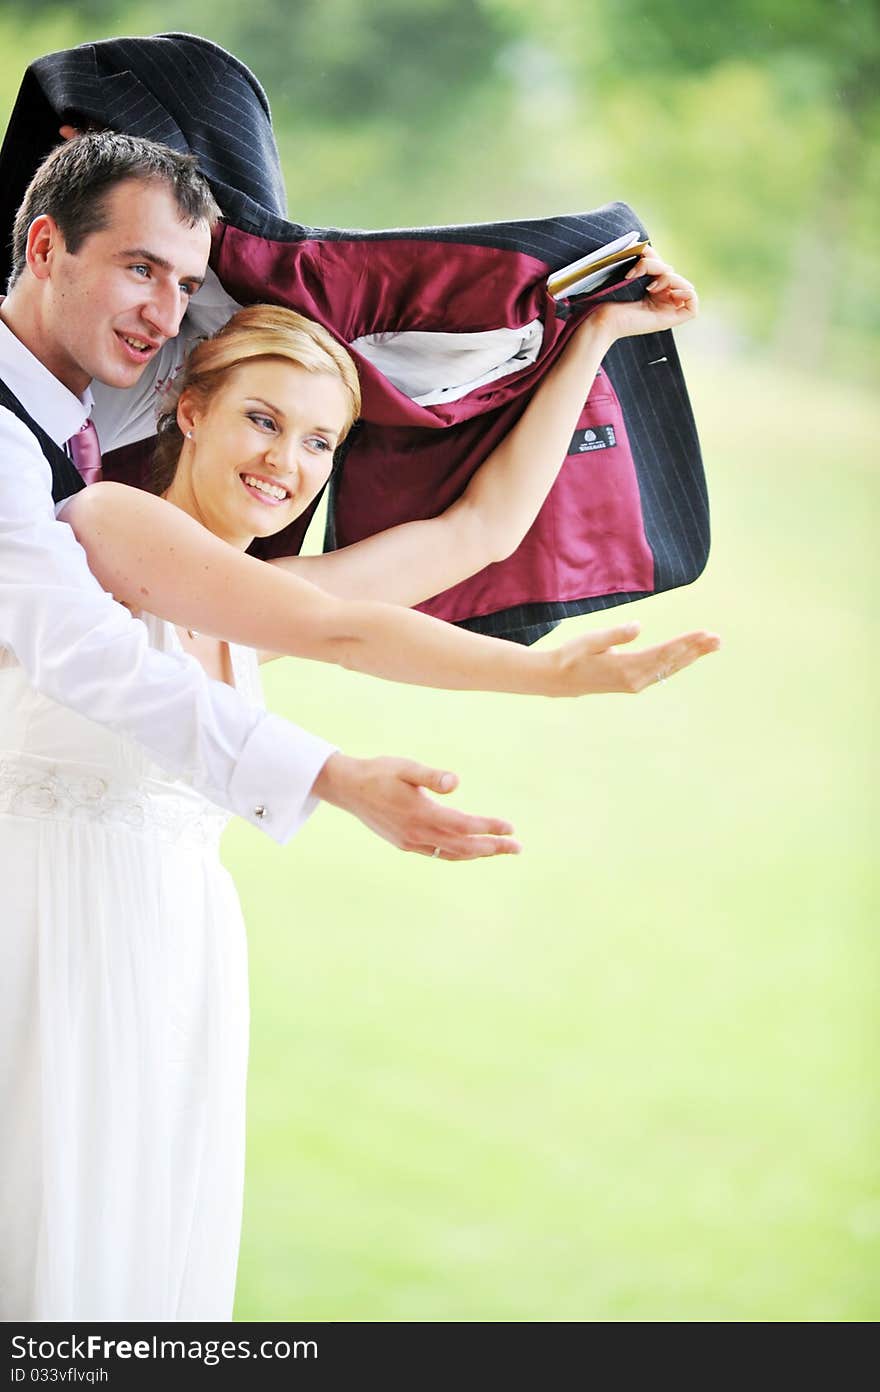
x: 123, y: 1024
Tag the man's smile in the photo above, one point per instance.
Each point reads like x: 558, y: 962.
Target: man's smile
x: 137, y: 348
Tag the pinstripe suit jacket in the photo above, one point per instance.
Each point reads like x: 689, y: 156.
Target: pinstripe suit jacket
x: 628, y: 515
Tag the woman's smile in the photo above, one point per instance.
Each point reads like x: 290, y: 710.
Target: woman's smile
x: 265, y: 490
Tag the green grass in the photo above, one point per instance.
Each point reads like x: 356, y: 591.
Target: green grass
x: 629, y: 1075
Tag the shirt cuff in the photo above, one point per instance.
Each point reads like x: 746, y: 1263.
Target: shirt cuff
x: 272, y: 784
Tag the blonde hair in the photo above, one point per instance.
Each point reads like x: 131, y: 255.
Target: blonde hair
x: 258, y: 331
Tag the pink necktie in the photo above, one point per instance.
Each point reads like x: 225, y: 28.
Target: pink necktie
x: 86, y: 453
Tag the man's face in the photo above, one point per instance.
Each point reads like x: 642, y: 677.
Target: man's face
x: 115, y: 302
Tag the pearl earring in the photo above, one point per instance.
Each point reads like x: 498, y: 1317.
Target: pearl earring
x: 189, y: 434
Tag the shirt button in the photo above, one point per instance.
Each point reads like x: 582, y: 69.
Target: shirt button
x: 260, y: 812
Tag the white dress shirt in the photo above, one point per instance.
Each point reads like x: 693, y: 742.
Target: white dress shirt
x: 78, y: 646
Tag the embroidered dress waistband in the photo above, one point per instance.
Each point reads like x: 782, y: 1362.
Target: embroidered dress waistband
x: 31, y: 786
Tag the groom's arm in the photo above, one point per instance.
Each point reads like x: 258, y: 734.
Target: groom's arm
x: 82, y: 649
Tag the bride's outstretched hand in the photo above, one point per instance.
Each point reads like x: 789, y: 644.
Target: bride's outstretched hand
x: 593, y: 664
x: 669, y: 301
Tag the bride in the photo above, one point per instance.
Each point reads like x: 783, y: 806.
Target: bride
x: 124, y: 976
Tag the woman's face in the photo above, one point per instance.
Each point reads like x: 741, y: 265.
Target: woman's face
x: 261, y: 449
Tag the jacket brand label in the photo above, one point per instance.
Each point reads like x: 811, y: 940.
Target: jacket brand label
x: 595, y: 437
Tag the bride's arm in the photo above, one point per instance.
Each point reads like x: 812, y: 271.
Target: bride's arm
x: 153, y: 556
x: 416, y: 560
x: 411, y: 562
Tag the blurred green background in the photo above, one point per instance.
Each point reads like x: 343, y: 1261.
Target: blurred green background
x: 629, y: 1075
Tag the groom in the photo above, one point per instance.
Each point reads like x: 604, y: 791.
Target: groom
x: 110, y: 244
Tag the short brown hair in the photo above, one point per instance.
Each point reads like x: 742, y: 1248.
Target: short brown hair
x: 258, y: 331
x: 72, y: 183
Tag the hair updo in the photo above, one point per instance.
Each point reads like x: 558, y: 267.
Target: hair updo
x: 257, y: 331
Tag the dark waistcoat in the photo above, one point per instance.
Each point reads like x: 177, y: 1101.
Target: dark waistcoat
x: 65, y: 477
